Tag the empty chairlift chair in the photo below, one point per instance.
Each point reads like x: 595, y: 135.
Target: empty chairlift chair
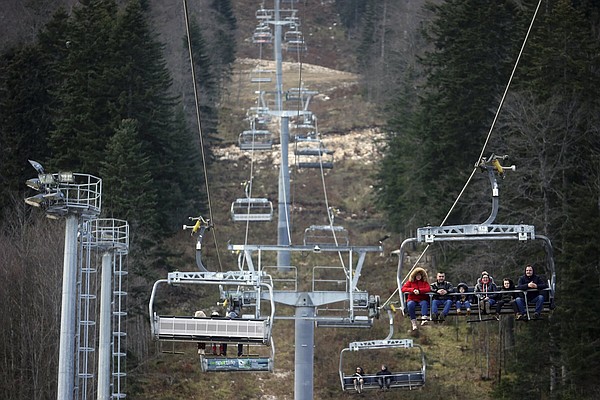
x: 310, y: 153
x: 262, y: 34
x: 293, y: 21
x: 255, y: 140
x: 302, y: 96
x: 261, y: 76
x: 326, y: 235
x: 359, y: 313
x: 294, y: 41
x: 264, y: 15
x: 251, y: 209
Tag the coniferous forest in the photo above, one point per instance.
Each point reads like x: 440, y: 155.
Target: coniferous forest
x: 92, y: 92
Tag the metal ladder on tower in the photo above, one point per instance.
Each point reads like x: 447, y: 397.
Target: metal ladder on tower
x: 86, y: 326
x: 119, y: 335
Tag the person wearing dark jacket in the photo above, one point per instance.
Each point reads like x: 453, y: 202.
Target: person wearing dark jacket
x: 532, y: 284
x: 507, y: 296
x: 441, y: 288
x: 463, y: 299
x: 417, y: 288
x: 383, y: 378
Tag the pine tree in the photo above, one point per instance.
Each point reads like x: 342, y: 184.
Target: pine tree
x: 207, y: 82
x: 144, y: 83
x: 364, y: 51
x: 553, y: 126
x: 82, y: 119
x: 223, y: 43
x: 469, y: 60
x: 129, y: 192
x: 24, y: 118
x: 28, y: 80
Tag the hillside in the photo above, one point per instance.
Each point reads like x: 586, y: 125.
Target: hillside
x: 351, y: 127
x: 349, y: 188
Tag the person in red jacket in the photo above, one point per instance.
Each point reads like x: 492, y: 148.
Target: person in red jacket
x: 417, y: 287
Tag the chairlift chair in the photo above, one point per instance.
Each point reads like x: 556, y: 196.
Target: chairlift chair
x: 256, y: 329
x: 326, y: 235
x: 358, y: 314
x: 412, y: 379
x: 263, y: 14
x: 261, y: 76
x: 293, y: 35
x: 294, y: 41
x: 251, y: 209
x: 486, y: 231
x: 302, y: 96
x: 294, y: 22
x: 260, y: 115
x: 262, y: 34
x: 255, y: 140
x: 310, y: 153
x: 297, y: 46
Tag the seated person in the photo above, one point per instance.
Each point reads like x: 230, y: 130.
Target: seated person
x: 201, y: 346
x: 532, y: 283
x: 234, y: 313
x: 484, y: 291
x: 383, y: 379
x: 463, y: 300
x: 507, y: 296
x: 359, y: 381
x: 417, y: 288
x: 441, y: 288
x: 223, y: 346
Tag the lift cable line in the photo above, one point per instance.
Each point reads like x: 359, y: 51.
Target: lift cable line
x: 299, y: 108
x: 252, y: 158
x: 199, y: 123
x: 477, y: 164
x: 331, y: 216
x: 300, y: 69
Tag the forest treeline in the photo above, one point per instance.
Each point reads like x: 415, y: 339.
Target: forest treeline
x: 92, y: 94
x: 442, y: 106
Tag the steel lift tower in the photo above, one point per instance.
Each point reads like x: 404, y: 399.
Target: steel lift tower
x: 76, y: 198
x: 305, y: 303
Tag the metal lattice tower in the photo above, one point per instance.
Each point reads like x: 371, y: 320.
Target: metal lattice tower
x: 106, y: 242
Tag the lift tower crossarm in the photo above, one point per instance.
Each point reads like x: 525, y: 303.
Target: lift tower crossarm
x: 432, y: 234
x: 381, y: 344
x: 315, y: 248
x: 229, y: 277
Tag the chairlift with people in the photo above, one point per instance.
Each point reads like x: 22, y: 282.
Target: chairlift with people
x: 252, y: 331
x: 486, y: 231
x: 413, y: 378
